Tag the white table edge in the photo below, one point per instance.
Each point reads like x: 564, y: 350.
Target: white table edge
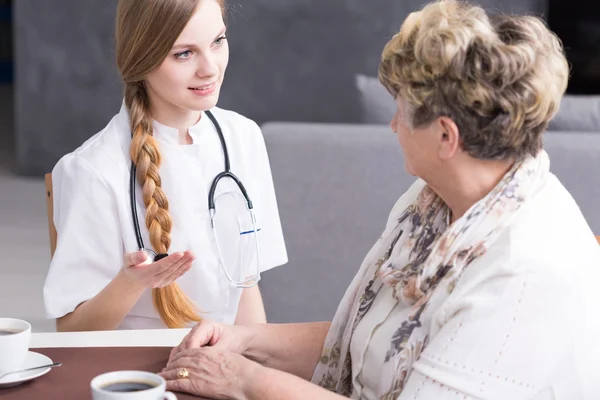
x: 117, y: 338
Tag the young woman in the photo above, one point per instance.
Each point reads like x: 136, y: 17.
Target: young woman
x: 172, y: 174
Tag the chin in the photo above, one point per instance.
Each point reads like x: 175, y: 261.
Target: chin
x: 409, y: 170
x: 194, y: 102
x: 206, y: 103
x: 198, y: 105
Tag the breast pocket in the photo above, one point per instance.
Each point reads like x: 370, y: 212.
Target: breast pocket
x: 237, y: 236
x: 250, y: 233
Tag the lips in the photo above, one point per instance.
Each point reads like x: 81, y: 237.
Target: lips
x: 203, y: 87
x: 204, y: 90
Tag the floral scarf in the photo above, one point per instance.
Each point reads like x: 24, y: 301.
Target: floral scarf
x: 418, y: 252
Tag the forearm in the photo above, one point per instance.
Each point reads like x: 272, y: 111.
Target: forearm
x: 293, y: 348
x: 269, y: 384
x: 251, y: 309
x: 106, y: 310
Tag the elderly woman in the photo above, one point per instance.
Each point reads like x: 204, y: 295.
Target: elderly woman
x: 483, y: 284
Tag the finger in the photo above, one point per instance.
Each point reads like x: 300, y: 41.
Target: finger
x: 169, y: 268
x: 185, y: 358
x: 164, y: 266
x: 181, y: 385
x: 182, y: 271
x: 135, y: 258
x: 173, y: 277
x: 179, y: 347
x: 183, y: 268
x: 190, y: 357
x: 217, y: 333
x: 174, y: 351
x: 154, y: 267
x: 201, y: 335
x: 169, y: 374
x: 174, y: 383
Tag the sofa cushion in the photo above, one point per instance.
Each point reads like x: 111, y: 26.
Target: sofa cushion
x: 377, y: 104
x: 335, y: 186
x: 576, y: 113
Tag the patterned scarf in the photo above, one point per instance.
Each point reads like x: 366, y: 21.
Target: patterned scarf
x: 417, y: 254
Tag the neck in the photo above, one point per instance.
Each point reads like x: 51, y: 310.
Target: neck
x: 174, y: 117
x: 463, y: 186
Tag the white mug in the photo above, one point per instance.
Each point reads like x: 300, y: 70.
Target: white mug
x: 156, y: 386
x: 14, y: 345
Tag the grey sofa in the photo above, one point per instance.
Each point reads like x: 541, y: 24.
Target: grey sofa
x: 335, y: 186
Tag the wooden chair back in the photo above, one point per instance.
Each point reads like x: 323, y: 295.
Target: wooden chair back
x: 50, y: 209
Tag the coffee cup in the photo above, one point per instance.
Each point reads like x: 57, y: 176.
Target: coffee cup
x: 14, y: 343
x: 130, y: 385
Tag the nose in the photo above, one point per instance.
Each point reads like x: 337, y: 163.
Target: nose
x: 207, y: 66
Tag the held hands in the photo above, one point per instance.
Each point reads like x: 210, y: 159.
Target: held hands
x: 141, y: 271
x: 210, y: 373
x: 212, y: 356
x: 221, y: 337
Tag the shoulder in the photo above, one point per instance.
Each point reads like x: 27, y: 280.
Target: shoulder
x: 550, y: 250
x: 529, y: 297
x: 552, y: 230
x: 237, y: 125
x: 104, y: 155
x: 243, y: 135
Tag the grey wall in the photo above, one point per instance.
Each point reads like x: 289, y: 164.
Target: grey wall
x: 291, y: 60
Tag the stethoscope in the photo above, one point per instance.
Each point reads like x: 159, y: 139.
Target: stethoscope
x: 248, y: 282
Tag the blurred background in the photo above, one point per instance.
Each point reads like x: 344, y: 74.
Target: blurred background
x: 300, y: 61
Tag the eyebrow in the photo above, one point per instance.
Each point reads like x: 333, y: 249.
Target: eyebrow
x: 189, y: 45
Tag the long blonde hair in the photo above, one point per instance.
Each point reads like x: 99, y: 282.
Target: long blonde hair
x: 145, y: 33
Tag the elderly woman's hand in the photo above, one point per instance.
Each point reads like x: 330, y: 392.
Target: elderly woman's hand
x: 211, y: 373
x: 225, y: 338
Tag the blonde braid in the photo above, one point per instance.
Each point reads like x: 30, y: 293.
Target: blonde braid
x: 174, y: 307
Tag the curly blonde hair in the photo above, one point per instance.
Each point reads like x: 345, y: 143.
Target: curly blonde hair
x: 145, y: 32
x: 499, y: 78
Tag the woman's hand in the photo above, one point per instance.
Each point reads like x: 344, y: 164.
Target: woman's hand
x: 210, y: 373
x: 224, y: 338
x: 140, y: 271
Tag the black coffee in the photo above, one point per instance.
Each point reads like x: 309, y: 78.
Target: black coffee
x: 6, y: 332
x: 128, y: 386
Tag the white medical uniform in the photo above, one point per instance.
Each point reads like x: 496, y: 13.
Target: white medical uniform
x: 93, y: 218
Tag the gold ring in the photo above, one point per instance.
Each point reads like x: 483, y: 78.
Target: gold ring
x: 183, y: 373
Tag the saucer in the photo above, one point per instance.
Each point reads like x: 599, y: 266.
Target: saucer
x: 32, y: 360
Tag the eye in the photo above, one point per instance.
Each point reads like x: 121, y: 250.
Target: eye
x: 219, y: 41
x: 183, y: 55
